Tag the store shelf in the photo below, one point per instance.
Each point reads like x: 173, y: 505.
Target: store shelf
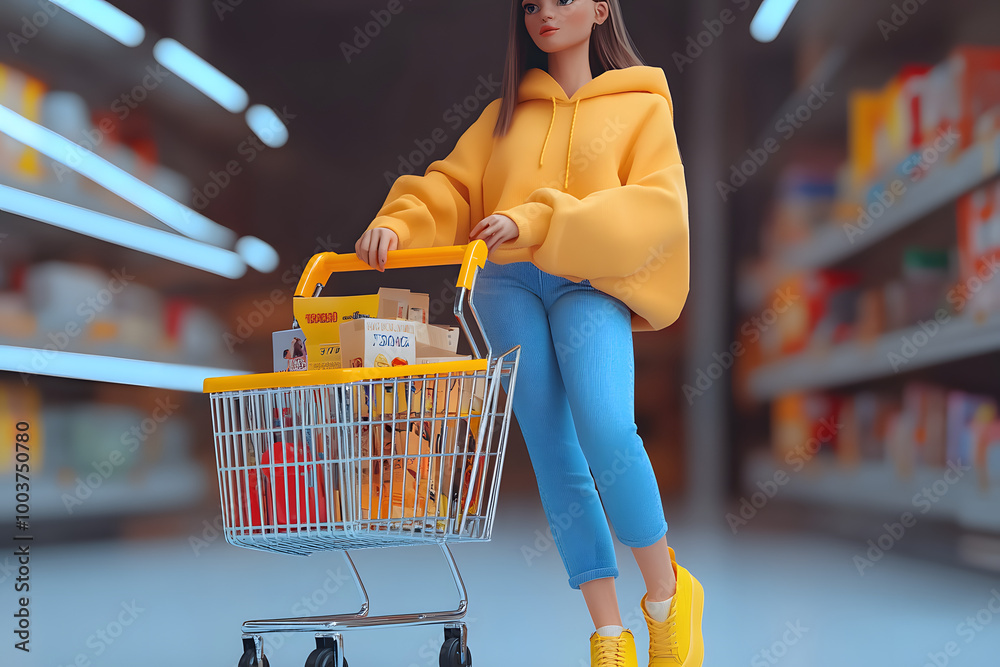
x: 847, y: 363
x: 832, y: 245
x: 943, y: 185
x: 100, y: 201
x: 117, y: 349
x: 158, y: 489
x: 877, y: 487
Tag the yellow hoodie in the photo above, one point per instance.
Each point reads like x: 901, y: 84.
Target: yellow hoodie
x: 594, y: 183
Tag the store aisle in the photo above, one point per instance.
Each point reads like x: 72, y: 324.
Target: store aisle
x: 791, y: 600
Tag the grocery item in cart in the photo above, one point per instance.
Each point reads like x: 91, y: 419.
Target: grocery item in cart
x: 320, y: 319
x: 377, y: 343
x: 299, y: 496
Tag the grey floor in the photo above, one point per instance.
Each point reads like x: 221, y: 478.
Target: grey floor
x: 783, y: 599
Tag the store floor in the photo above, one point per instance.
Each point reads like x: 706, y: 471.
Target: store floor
x: 786, y: 599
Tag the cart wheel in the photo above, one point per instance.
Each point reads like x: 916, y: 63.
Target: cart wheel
x: 249, y: 659
x: 323, y: 657
x: 451, y: 654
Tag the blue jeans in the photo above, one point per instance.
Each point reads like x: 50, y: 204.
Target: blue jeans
x: 575, y: 404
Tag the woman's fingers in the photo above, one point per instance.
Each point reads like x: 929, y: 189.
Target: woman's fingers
x: 361, y: 247
x: 387, y: 242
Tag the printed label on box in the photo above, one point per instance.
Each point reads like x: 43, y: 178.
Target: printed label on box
x: 320, y: 319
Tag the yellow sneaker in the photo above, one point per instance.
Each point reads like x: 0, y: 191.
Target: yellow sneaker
x: 613, y: 651
x: 677, y: 642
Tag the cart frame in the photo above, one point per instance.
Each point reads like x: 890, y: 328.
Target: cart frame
x: 329, y: 641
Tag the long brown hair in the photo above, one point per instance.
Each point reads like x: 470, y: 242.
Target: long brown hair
x: 611, y: 47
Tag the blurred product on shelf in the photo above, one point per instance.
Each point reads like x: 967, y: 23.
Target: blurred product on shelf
x: 803, y: 425
x: 105, y: 457
x: 885, y: 125
x: 21, y: 94
x: 63, y: 306
x: 926, y: 280
x: 926, y: 427
x: 917, y: 437
x: 123, y: 136
x: 979, y: 247
x: 194, y: 332
x: 923, y: 109
x: 968, y: 414
x: 819, y: 311
x: 806, y: 194
x: 828, y: 307
x: 19, y: 403
x: 864, y: 418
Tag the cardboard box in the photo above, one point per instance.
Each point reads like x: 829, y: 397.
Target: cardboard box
x: 378, y: 343
x: 289, y: 350
x: 419, y: 307
x: 320, y: 319
x: 393, y: 303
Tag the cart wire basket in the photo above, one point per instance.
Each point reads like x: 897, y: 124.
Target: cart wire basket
x: 357, y: 458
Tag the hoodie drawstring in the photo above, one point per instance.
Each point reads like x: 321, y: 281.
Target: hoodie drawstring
x: 569, y: 147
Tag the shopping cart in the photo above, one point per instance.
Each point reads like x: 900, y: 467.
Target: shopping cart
x: 359, y: 458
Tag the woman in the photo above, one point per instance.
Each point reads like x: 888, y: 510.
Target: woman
x: 582, y: 252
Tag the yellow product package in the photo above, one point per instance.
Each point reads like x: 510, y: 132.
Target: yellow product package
x: 320, y: 319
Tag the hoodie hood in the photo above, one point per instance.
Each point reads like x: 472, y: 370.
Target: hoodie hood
x: 537, y: 84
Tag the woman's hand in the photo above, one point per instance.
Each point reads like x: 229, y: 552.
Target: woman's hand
x: 373, y: 247
x: 495, y: 230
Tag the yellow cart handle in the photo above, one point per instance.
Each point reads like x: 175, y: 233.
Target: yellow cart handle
x: 322, y: 266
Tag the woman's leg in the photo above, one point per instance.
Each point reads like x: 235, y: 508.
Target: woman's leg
x: 593, y: 339
x: 507, y: 301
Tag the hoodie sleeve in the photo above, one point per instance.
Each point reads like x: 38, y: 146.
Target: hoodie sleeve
x: 613, y: 232
x: 435, y: 209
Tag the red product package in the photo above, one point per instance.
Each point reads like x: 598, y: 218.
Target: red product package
x: 252, y: 496
x: 299, y: 491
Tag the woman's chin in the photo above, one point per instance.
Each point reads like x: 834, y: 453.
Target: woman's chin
x: 547, y: 45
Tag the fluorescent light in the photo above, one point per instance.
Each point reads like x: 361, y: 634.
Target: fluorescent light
x: 770, y: 19
x: 121, y: 232
x: 257, y: 254
x: 117, y: 370
x: 107, y: 18
x: 267, y: 126
x: 195, y: 70
x: 169, y: 211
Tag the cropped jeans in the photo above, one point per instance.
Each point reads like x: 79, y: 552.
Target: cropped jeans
x: 575, y: 404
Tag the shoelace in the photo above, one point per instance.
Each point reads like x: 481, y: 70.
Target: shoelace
x: 663, y: 637
x: 611, y: 651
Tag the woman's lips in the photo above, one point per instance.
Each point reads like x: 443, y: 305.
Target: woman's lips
x: 547, y: 30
